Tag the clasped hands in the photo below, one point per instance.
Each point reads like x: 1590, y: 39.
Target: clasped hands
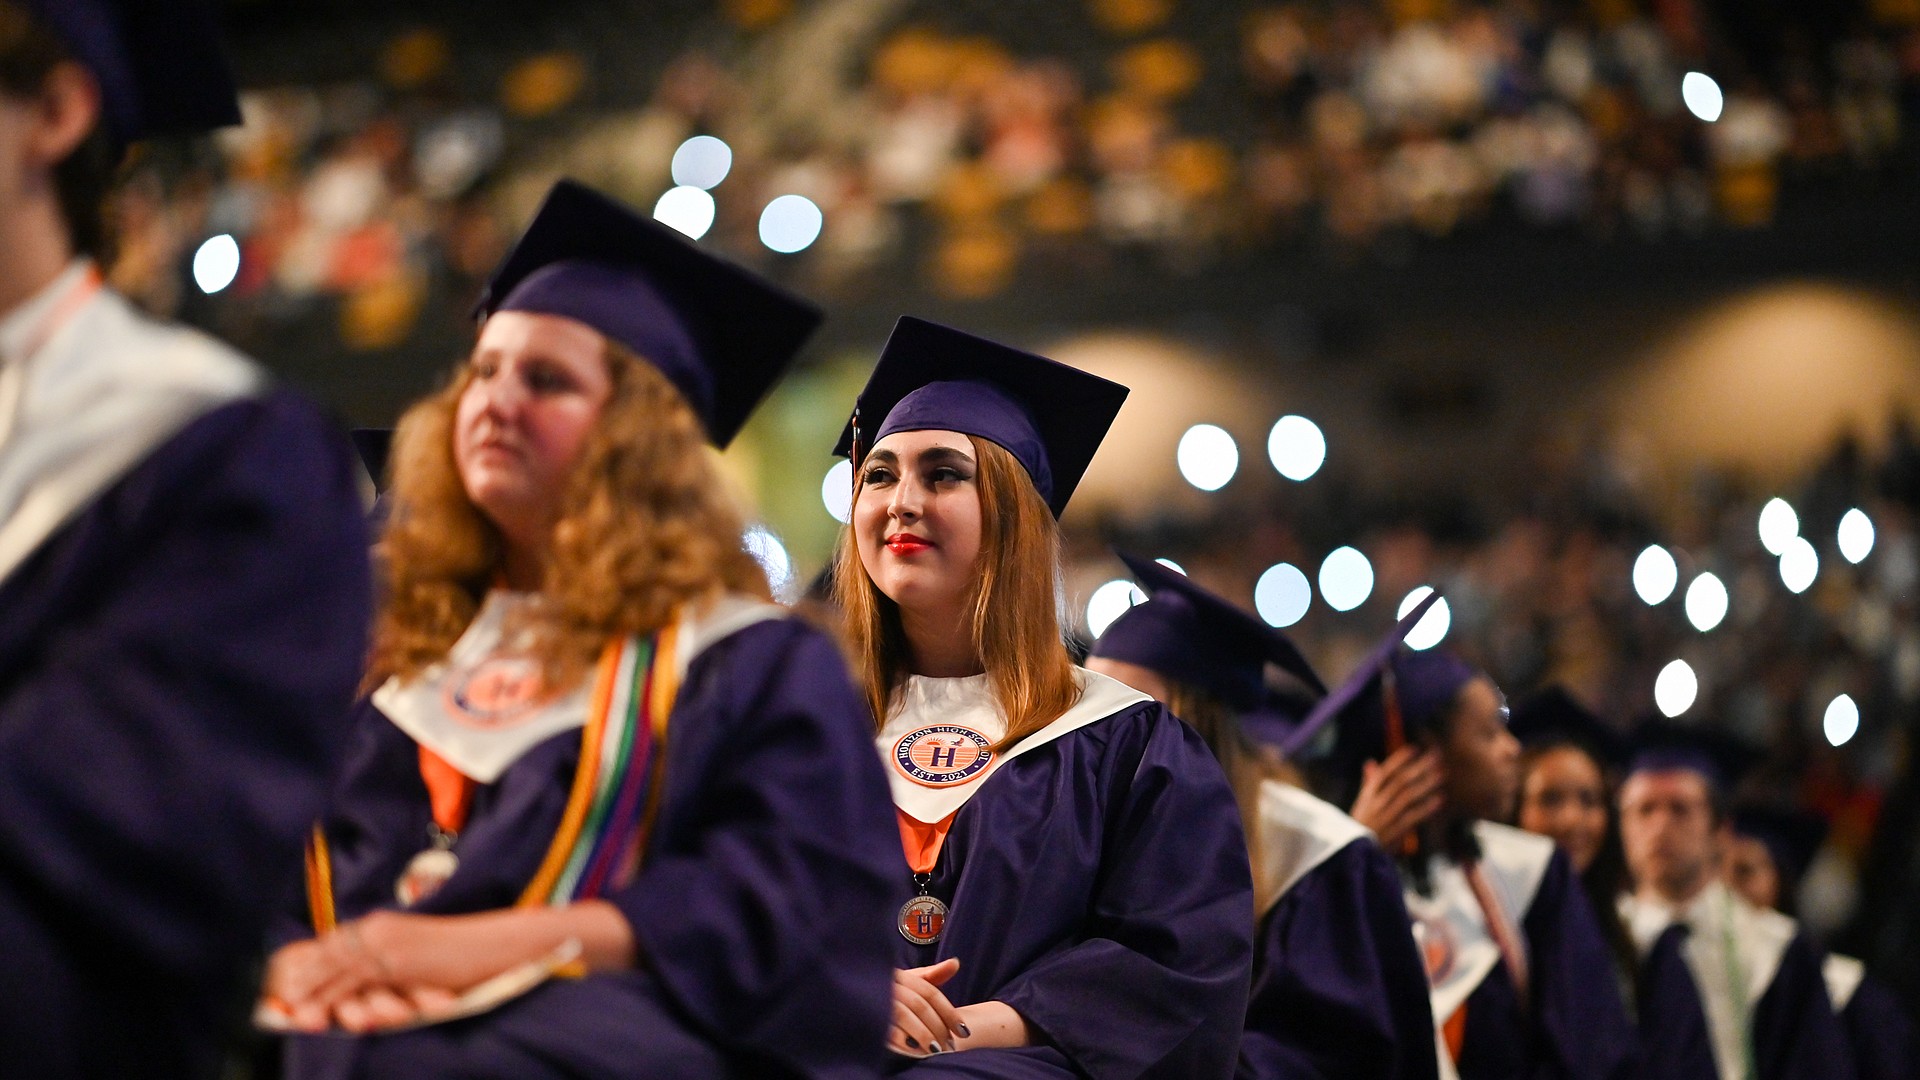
x: 925, y: 1022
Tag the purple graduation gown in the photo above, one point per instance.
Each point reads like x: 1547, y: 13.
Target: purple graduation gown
x: 1339, y: 990
x: 1796, y: 1035
x: 761, y: 912
x: 1098, y: 885
x: 1575, y: 1025
x: 176, y: 663
x: 1881, y: 1033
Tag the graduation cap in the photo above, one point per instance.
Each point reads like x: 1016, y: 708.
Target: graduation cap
x: 1049, y: 416
x: 720, y: 334
x: 1424, y: 684
x: 1791, y: 836
x: 1192, y: 636
x: 1663, y: 746
x: 374, y: 445
x: 1554, y: 717
x: 159, y: 63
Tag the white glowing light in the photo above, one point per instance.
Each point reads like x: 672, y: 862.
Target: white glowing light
x: 771, y: 554
x: 1778, y: 525
x: 1655, y: 574
x: 1702, y: 95
x: 836, y: 491
x: 1346, y: 579
x: 1432, y: 627
x: 1208, y: 457
x: 790, y: 223
x: 1842, y: 721
x: 216, y: 264
x: 1706, y: 602
x: 1799, y: 565
x: 1173, y: 566
x: 1282, y: 595
x: 687, y: 209
x: 1296, y: 447
x: 1109, y: 602
x: 1856, y: 535
x: 1676, y: 688
x: 702, y: 161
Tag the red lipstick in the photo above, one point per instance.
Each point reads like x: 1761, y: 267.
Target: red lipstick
x: 908, y: 544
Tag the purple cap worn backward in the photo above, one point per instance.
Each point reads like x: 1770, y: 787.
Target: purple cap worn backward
x: 721, y: 334
x: 158, y: 62
x: 1192, y: 636
x: 1348, y: 692
x: 1051, y: 417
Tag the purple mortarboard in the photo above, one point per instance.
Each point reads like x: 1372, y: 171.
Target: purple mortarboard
x: 374, y: 445
x: 1553, y: 717
x: 158, y: 62
x: 1049, y: 416
x: 1792, y: 837
x: 1664, y: 746
x: 1342, y: 699
x: 720, y: 334
x: 1192, y: 636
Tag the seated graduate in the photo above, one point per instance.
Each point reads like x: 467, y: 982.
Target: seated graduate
x: 1079, y: 903
x: 1568, y: 759
x: 592, y: 732
x: 183, y: 584
x: 1767, y: 855
x: 1511, y: 944
x: 1747, y: 999
x: 1339, y: 989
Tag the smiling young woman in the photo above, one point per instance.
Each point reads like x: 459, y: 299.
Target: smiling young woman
x: 594, y: 757
x: 1079, y: 901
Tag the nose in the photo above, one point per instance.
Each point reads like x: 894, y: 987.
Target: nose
x: 907, y: 502
x: 501, y: 398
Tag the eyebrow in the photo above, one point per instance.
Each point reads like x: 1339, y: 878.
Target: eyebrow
x: 939, y: 454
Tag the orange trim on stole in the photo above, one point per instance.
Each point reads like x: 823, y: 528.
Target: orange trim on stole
x: 922, y: 842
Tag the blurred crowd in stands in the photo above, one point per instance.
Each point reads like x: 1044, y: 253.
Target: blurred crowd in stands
x: 957, y: 143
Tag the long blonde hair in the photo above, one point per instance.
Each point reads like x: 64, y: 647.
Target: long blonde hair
x: 1246, y: 764
x: 1015, y: 625
x: 645, y: 525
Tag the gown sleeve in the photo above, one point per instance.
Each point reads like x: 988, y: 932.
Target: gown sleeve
x: 1796, y: 1035
x: 1580, y: 1021
x: 1339, y: 990
x: 1157, y: 986
x: 765, y: 914
x: 164, y: 747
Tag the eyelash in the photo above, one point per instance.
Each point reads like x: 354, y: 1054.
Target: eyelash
x: 880, y: 475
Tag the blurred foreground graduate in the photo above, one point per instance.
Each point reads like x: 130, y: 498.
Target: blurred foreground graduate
x: 596, y: 748
x: 1768, y: 854
x: 1516, y: 960
x: 183, y: 580
x: 1747, y: 1000
x: 1076, y: 900
x: 1339, y: 990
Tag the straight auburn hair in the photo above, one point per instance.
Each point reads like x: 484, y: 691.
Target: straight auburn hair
x: 1014, y: 619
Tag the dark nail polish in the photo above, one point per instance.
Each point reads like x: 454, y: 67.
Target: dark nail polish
x: 912, y: 1043
x: 964, y: 1033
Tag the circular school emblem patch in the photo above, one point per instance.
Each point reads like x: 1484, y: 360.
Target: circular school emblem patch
x: 942, y: 755
x: 921, y: 920
x: 496, y: 693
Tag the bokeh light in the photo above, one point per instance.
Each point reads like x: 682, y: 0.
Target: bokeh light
x: 1109, y: 602
x: 1208, y: 457
x: 1346, y: 579
x: 1675, y: 689
x: 1296, y: 447
x: 1282, y: 595
x: 688, y: 210
x: 790, y: 223
x: 1655, y: 574
x: 1433, y: 626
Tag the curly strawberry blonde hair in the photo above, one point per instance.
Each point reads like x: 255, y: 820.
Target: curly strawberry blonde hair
x: 645, y: 526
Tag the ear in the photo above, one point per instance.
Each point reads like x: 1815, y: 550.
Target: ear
x: 65, y: 112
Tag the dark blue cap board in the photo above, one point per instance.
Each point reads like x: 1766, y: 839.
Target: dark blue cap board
x: 1342, y: 697
x: 158, y: 62
x: 1193, y: 636
x: 1049, y: 416
x: 1665, y: 746
x: 374, y: 445
x: 721, y: 334
x: 1553, y: 717
x: 1792, y: 837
